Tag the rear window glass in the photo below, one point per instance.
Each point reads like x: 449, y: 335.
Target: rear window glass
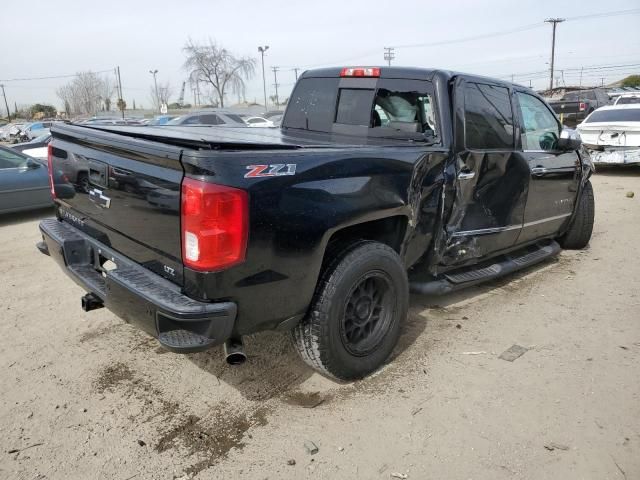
x: 488, y: 117
x: 628, y: 100
x: 312, y: 104
x: 622, y: 115
x: 354, y: 106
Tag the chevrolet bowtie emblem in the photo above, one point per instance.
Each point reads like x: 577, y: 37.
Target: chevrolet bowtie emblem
x: 99, y: 199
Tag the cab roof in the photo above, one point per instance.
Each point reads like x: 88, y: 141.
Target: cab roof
x: 410, y: 73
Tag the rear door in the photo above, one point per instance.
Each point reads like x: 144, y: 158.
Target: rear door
x: 554, y: 173
x: 492, y: 178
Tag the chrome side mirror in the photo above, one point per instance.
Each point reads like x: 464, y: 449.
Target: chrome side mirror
x: 569, y: 139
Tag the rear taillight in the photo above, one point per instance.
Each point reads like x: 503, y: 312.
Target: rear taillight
x: 360, y: 72
x: 582, y: 106
x: 214, y: 225
x: 50, y: 164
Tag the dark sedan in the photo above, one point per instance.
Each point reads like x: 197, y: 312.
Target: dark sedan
x: 24, y: 182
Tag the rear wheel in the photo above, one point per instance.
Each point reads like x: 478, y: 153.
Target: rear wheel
x: 354, y: 321
x: 579, y: 233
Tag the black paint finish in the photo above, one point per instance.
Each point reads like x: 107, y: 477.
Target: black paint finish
x: 440, y: 206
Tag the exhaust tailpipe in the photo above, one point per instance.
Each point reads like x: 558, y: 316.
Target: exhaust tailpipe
x: 91, y: 302
x: 234, y: 351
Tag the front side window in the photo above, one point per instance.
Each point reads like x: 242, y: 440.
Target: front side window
x: 488, y: 123
x: 540, y: 128
x: 194, y: 120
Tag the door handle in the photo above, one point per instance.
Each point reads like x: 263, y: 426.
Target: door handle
x: 466, y: 175
x: 539, y: 171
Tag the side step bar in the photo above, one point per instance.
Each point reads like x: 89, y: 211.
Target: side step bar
x: 457, y: 280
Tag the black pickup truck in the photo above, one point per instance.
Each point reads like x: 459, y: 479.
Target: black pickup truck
x: 380, y: 181
x: 574, y: 107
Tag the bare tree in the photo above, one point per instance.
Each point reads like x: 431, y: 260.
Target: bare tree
x: 85, y: 93
x: 107, y: 89
x: 165, y: 91
x: 216, y: 66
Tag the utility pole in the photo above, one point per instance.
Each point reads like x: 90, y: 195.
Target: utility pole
x: 121, y: 100
x: 275, y: 78
x: 581, y: 68
x: 5, y: 103
x: 554, y: 22
x: 262, y: 51
x: 296, y: 72
x: 389, y: 54
x: 530, y: 84
x: 155, y: 82
x: 602, y: 84
x: 512, y: 78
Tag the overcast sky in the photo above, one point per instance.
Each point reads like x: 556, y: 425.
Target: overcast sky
x: 67, y: 36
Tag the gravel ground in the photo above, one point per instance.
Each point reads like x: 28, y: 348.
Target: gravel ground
x: 84, y: 395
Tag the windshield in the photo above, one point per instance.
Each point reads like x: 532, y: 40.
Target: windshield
x: 621, y: 115
x: 234, y: 117
x: 176, y: 121
x: 41, y: 138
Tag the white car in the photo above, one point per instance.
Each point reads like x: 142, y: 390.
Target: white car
x: 612, y: 134
x: 259, y: 122
x: 628, y: 98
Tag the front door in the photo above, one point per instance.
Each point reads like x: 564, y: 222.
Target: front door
x: 555, y: 173
x: 492, y: 177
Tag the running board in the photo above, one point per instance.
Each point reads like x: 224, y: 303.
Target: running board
x: 505, y: 265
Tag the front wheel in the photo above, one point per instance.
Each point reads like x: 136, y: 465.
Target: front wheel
x: 354, y: 320
x: 579, y: 232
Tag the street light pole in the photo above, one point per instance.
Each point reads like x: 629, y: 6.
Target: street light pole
x: 155, y: 82
x: 262, y: 50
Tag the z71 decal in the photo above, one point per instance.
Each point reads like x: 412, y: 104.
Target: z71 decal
x: 275, y: 170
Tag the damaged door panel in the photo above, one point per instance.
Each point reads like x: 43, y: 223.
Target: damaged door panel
x: 491, y: 179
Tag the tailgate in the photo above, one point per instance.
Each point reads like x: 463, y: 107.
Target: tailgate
x: 124, y: 192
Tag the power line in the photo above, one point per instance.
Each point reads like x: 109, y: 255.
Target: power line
x: 632, y: 11
x: 53, y: 77
x: 522, y: 28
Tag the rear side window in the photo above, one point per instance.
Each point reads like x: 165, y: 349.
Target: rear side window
x: 210, y: 119
x: 312, y: 105
x: 627, y: 100
x: 354, y: 106
x: 488, y: 117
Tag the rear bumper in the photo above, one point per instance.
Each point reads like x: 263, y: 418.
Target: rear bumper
x: 136, y: 294
x: 615, y: 156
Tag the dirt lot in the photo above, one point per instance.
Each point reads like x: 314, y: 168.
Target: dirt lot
x: 86, y: 396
